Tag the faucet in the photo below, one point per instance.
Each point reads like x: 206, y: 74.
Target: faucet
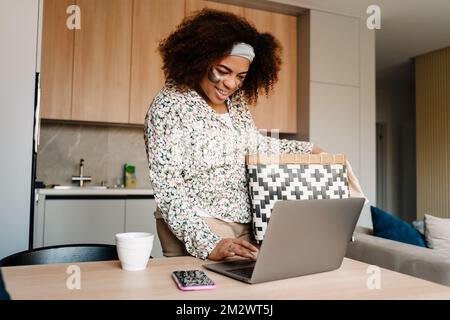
x: 81, y: 178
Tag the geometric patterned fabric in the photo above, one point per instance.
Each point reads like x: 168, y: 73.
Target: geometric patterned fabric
x: 269, y: 183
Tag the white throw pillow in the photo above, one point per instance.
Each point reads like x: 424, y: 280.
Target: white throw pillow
x: 437, y: 233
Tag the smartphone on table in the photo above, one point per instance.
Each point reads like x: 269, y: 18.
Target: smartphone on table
x: 192, y: 280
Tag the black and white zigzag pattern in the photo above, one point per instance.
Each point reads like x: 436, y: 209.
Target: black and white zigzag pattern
x: 273, y: 182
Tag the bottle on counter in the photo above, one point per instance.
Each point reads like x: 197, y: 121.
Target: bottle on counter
x: 130, y: 176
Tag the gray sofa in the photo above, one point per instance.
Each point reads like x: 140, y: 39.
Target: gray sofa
x: 397, y: 256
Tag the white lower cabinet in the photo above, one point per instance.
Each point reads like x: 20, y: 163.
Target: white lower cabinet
x: 83, y: 221
x: 75, y: 221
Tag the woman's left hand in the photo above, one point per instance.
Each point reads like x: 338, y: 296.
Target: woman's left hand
x: 353, y: 184
x: 230, y: 247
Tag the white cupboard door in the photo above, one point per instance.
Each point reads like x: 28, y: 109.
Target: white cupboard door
x: 334, y: 57
x: 328, y: 103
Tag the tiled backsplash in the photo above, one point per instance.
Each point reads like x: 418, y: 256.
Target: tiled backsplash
x: 105, y: 150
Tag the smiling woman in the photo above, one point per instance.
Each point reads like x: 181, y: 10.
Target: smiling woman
x: 198, y: 130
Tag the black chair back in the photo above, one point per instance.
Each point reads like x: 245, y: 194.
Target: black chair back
x: 62, y: 254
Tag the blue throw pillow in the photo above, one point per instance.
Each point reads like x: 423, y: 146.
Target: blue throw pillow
x: 387, y: 226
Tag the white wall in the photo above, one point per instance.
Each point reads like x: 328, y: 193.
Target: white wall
x: 18, y: 34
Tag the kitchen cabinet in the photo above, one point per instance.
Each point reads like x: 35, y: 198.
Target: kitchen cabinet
x: 334, y: 58
x: 279, y: 111
x: 335, y: 89
x: 102, y: 56
x: 57, y: 62
x: 66, y: 219
x: 86, y: 72
x: 109, y: 70
x: 82, y: 221
x: 153, y: 20
x: 112, y: 59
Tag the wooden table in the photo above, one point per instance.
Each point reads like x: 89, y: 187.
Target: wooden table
x: 106, y: 280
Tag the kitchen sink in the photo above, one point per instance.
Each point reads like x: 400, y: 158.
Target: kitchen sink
x: 80, y: 188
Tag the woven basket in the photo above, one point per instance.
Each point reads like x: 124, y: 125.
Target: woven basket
x: 292, y: 177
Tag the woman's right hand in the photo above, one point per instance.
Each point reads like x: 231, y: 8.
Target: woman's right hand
x: 230, y: 247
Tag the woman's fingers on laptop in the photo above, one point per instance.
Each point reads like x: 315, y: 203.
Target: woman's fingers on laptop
x: 222, y: 250
x: 244, y: 249
x: 246, y: 244
x: 233, y: 247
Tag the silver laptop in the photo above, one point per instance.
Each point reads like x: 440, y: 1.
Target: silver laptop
x: 303, y: 237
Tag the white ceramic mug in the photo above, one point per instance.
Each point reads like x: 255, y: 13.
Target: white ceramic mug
x: 134, y: 249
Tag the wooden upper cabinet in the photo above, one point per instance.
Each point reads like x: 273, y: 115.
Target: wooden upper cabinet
x: 57, y: 62
x: 110, y: 70
x: 102, y: 61
x: 279, y: 111
x: 153, y: 20
x: 196, y: 5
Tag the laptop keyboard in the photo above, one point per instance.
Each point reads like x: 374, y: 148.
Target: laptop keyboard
x: 243, y: 272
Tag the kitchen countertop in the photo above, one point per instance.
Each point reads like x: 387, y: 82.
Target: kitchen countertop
x: 95, y: 192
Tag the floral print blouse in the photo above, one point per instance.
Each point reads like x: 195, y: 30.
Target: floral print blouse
x: 197, y: 161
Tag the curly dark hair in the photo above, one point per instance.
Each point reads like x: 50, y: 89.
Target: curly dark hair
x: 209, y: 35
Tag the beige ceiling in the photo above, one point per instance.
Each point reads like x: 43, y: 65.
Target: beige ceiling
x: 408, y: 27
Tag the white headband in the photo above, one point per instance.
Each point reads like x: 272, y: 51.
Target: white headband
x: 243, y: 50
